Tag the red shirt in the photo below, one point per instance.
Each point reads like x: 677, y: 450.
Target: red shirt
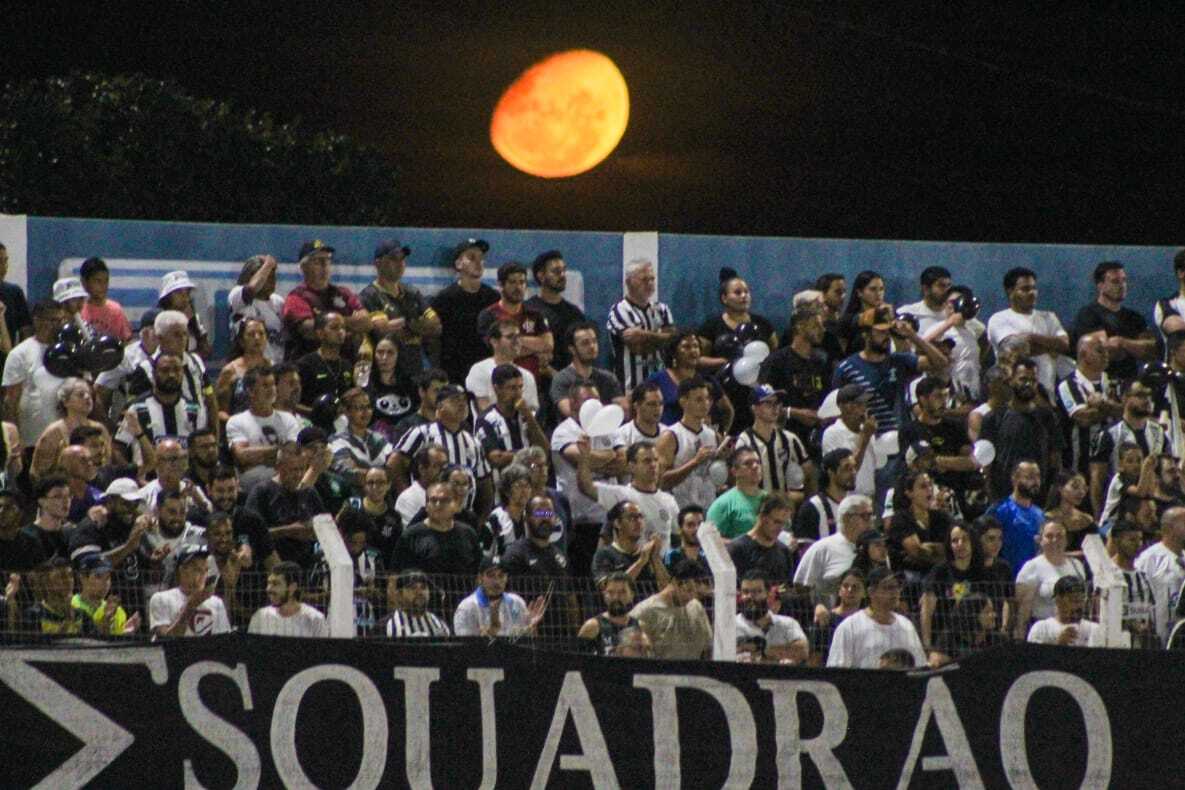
x: 303, y: 303
x: 530, y: 322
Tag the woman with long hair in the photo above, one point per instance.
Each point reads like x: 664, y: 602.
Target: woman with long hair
x: 1035, y: 580
x: 255, y: 296
x: 249, y: 351
x: 974, y: 626
x: 75, y: 402
x: 681, y: 359
x: 1063, y: 505
x: 868, y: 291
x: 961, y: 574
x: 392, y: 396
x: 917, y: 532
x: 852, y: 595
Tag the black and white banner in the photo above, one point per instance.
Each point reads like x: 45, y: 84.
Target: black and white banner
x: 244, y: 712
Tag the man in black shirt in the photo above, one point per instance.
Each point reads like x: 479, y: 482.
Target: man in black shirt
x: 761, y: 548
x: 1022, y: 431
x: 458, y: 307
x: 249, y: 527
x: 19, y: 551
x: 325, y: 371
x: 550, y: 273
x: 439, y: 544
x: 642, y: 562
x: 601, y: 634
x: 282, y: 501
x: 801, y: 370
x: 1129, y: 338
x: 946, y: 434
x: 16, y: 316
x: 399, y: 308
x: 538, y: 566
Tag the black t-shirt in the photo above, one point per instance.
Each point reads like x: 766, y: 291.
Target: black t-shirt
x: 609, y: 559
x: 1020, y: 436
x: 320, y: 376
x: 409, y: 305
x: 559, y: 318
x: 434, y: 552
x: 461, y: 346
x: 279, y: 507
x: 52, y: 544
x: 1122, y: 322
x: 16, y: 313
x: 524, y: 558
x: 806, y: 381
x: 948, y: 437
x: 737, y: 393
x: 950, y: 585
x: 776, y: 560
x: 22, y: 553
x: 392, y: 402
x: 250, y: 528
x: 903, y: 526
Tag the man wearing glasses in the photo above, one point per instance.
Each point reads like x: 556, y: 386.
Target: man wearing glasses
x: 825, y: 562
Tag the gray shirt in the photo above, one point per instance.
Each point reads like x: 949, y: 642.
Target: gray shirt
x: 608, y: 387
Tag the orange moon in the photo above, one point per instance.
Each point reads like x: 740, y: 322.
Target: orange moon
x: 563, y: 116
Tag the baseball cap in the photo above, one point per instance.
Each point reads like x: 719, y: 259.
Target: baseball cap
x: 763, y: 392
x: 880, y: 574
x: 410, y: 577
x: 68, y: 288
x: 94, y: 563
x: 871, y: 536
x: 391, y: 247
x: 1067, y: 585
x: 191, y: 551
x: 310, y: 435
x: 489, y: 562
x: 149, y: 317
x: 309, y: 247
x: 174, y: 281
x: 480, y: 244
x: 124, y: 488
x: 916, y: 450
x: 450, y: 391
x: 852, y: 393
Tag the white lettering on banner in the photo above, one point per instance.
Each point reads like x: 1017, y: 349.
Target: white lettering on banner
x: 416, y: 723
x: 1013, y: 748
x: 227, y: 738
x: 959, y: 758
x: 742, y: 765
x: 594, y: 756
x: 102, y: 739
x: 374, y: 725
x: 787, y: 733
x: 485, y: 680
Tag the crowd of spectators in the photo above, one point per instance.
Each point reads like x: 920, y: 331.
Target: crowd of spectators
x: 895, y: 485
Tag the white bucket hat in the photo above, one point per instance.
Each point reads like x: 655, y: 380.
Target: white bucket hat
x: 174, y: 281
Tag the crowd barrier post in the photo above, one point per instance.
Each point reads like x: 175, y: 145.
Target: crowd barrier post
x: 724, y: 587
x: 1109, y: 582
x: 340, y: 611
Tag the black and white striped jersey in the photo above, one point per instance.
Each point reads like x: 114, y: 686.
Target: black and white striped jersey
x: 461, y: 447
x: 630, y: 368
x: 158, y: 420
x: 401, y: 625
x: 782, y: 457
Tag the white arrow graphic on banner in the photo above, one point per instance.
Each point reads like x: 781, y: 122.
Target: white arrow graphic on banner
x: 102, y: 739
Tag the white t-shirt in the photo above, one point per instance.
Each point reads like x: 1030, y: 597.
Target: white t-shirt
x: 478, y: 382
x: 254, y: 431
x: 39, y: 388
x: 471, y: 617
x: 697, y: 488
x: 306, y: 622
x: 839, y: 437
x: 1165, y: 574
x: 1039, y: 322
x: 824, y: 563
x: 584, y: 510
x: 628, y: 435
x: 859, y: 641
x: 782, y: 631
x: 267, y: 310
x: 926, y: 317
x: 659, y: 508
x: 1042, y: 574
x: 166, y: 606
x: 410, y: 501
x: 1047, y: 631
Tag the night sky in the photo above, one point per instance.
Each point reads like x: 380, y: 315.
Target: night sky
x: 795, y: 119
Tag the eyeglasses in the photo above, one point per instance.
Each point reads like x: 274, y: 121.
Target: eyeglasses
x: 860, y: 513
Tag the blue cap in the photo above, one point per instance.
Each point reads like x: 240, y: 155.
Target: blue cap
x: 763, y: 392
x: 391, y: 248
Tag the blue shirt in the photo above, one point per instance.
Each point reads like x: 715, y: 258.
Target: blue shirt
x: 886, y: 380
x: 1021, y: 527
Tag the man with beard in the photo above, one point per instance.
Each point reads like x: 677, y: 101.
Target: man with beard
x: 1136, y: 427
x: 287, y: 616
x: 190, y: 608
x: 399, y: 308
x: 779, y: 639
x: 174, y: 532
x: 1169, y: 492
x: 491, y: 611
x: 247, y: 526
x: 538, y: 566
x: 408, y: 595
x: 1088, y: 399
x: 229, y: 560
x: 203, y: 458
x: 115, y: 530
x: 1068, y: 626
x: 1040, y: 329
x: 1139, y: 600
x: 800, y: 370
x: 689, y: 520
x: 281, y: 500
x: 931, y: 310
x: 1129, y: 339
x: 536, y: 344
x: 581, y: 344
x: 658, y: 507
x: 883, y: 373
x: 674, y: 619
x: 253, y: 435
x: 173, y: 334
x: 1019, y: 515
x: 550, y: 273
x: 1022, y: 431
x: 163, y: 412
x: 761, y: 548
x: 817, y: 517
x: 601, y: 634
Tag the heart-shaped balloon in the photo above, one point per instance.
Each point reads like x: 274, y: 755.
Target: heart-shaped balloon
x: 606, y: 421
x: 757, y: 349
x: 588, y: 410
x: 102, y: 354
x: 745, y: 370
x: 727, y: 346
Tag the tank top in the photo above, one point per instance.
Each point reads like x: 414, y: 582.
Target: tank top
x: 697, y: 488
x: 609, y: 634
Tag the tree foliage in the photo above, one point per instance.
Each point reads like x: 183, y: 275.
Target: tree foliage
x: 133, y: 147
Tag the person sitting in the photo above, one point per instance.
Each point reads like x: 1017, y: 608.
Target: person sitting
x: 358, y: 449
x: 491, y: 611
x: 781, y: 638
x: 1068, y: 624
x: 408, y: 595
x: 601, y: 634
x: 255, y: 434
x: 189, y: 608
x: 674, y: 619
x: 94, y: 599
x: 75, y: 404
x: 861, y: 639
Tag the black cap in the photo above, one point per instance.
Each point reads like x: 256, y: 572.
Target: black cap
x: 490, y: 562
x: 1067, y: 585
x: 310, y: 435
x: 480, y: 244
x: 391, y: 248
x: 94, y: 563
x: 881, y: 573
x: 871, y: 536
x: 191, y: 551
x: 309, y: 247
x: 412, y: 576
x: 148, y: 317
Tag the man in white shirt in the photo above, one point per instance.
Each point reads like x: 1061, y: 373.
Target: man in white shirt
x: 824, y: 563
x: 255, y: 297
x: 936, y: 285
x: 1067, y: 626
x: 646, y: 408
x: 861, y: 639
x: 504, y: 340
x: 255, y: 435
x: 1041, y: 328
x: 425, y: 468
x: 287, y: 616
x: 782, y: 640
x: 190, y: 608
x: 1164, y: 565
x: 659, y: 508
x: 491, y: 611
x: 31, y: 391
x: 967, y: 332
x: 855, y: 430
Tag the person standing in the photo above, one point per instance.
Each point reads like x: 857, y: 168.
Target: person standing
x: 458, y: 306
x: 106, y: 315
x: 550, y: 272
x: 1129, y: 339
x: 398, y: 308
x: 638, y: 327
x: 1041, y: 329
x: 315, y: 296
x: 190, y: 608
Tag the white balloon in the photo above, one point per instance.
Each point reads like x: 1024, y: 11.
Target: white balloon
x: 829, y: 408
x: 718, y: 471
x: 745, y: 370
x: 795, y: 477
x: 588, y: 410
x: 757, y: 349
x: 606, y: 421
x: 887, y: 444
x: 984, y: 452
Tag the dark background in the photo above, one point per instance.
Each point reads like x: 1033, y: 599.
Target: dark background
x: 1059, y: 124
